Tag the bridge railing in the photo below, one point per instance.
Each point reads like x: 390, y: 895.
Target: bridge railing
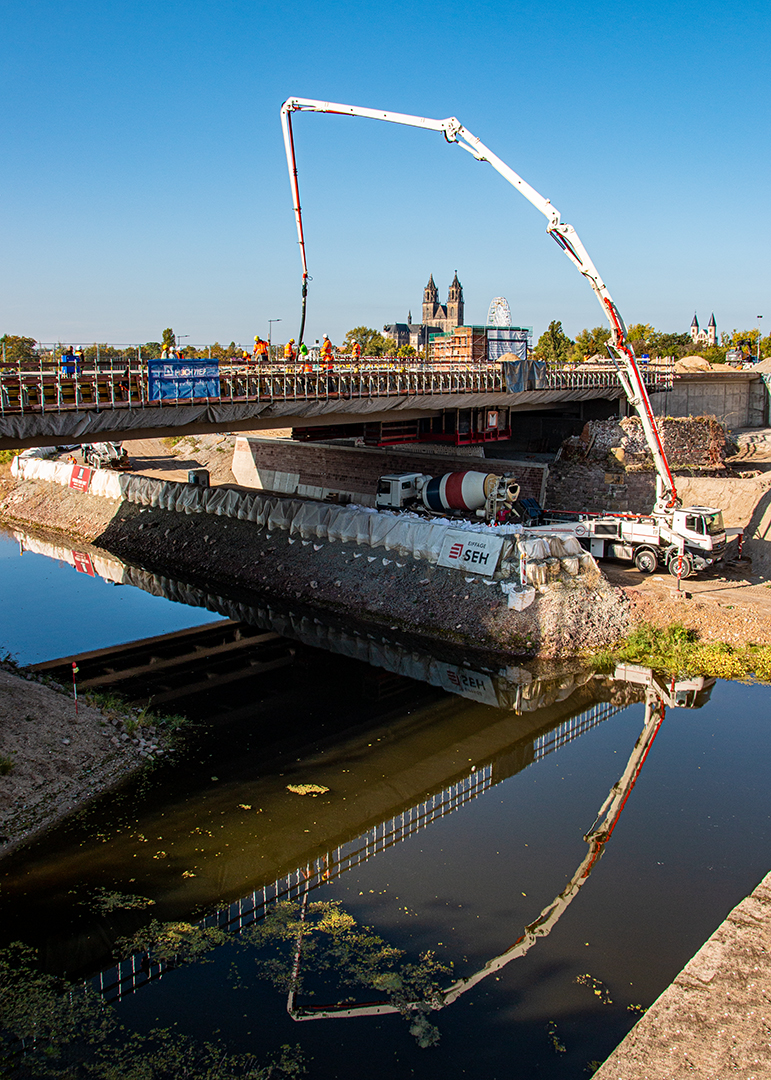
x: 51, y: 386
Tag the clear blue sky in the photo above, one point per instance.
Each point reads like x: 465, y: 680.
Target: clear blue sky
x: 144, y: 183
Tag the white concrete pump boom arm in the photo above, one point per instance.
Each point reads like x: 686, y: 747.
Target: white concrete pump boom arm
x: 565, y: 235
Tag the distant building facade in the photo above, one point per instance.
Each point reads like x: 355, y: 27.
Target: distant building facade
x: 436, y: 318
x: 704, y: 337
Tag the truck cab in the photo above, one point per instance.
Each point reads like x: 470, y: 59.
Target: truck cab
x: 702, y: 531
x: 398, y: 490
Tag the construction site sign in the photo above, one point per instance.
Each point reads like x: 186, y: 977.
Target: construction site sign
x: 80, y: 477
x: 472, y: 552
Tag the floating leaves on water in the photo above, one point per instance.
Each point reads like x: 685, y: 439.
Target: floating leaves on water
x: 160, y: 855
x: 598, y: 988
x: 105, y: 901
x: 637, y: 1009
x: 298, y: 941
x: 307, y: 789
x: 172, y: 942
x: 244, y: 806
x: 188, y: 873
x: 556, y: 1044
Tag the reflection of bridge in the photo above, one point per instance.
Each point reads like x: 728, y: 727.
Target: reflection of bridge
x: 44, y: 407
x: 136, y: 971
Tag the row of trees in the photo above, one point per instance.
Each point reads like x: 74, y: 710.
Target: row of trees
x: 556, y: 347
x: 374, y: 343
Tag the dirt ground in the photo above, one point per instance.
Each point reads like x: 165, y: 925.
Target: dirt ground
x: 53, y: 761
x: 731, y: 606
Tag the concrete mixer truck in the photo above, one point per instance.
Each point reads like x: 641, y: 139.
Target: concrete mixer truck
x: 456, y: 494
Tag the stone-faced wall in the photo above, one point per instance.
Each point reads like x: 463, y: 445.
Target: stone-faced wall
x: 589, y: 486
x: 320, y: 470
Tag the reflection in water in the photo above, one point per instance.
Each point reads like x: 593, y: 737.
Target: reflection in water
x: 140, y: 969
x: 243, y: 846
x: 506, y: 687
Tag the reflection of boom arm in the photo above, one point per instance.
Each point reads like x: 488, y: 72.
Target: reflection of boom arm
x: 596, y: 838
x: 565, y: 235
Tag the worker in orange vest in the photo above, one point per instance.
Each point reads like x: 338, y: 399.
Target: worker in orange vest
x: 289, y: 353
x: 356, y: 351
x: 260, y: 350
x: 326, y: 352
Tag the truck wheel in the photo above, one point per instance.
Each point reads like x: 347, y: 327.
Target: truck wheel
x: 687, y: 568
x: 646, y: 560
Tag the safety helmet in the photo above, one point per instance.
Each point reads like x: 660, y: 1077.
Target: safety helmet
x: 256, y: 337
x: 327, y: 336
x: 291, y: 341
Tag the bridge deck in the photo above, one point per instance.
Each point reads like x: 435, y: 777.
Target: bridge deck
x: 46, y: 405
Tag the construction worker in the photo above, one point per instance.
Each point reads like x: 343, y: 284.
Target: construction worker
x: 304, y: 358
x: 356, y: 352
x: 260, y: 350
x: 327, y: 355
x: 289, y: 353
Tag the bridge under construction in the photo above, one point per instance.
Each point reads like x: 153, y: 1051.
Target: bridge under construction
x: 41, y: 405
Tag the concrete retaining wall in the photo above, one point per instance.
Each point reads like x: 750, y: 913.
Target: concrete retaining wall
x: 320, y: 470
x: 738, y: 398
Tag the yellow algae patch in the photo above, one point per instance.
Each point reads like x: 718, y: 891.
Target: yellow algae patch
x: 307, y: 789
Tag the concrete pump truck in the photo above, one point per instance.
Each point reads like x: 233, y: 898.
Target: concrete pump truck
x: 683, y: 539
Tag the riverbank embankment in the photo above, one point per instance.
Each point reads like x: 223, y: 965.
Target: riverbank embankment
x: 715, y: 1018
x: 54, y: 760
x: 289, y: 550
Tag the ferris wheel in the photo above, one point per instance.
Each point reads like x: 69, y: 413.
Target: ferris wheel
x: 499, y: 312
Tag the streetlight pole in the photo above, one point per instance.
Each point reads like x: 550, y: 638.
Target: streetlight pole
x: 270, y: 334
x: 759, y: 318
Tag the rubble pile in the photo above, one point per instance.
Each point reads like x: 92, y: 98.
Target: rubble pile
x: 689, y: 442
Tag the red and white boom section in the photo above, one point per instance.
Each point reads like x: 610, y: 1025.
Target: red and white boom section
x: 454, y: 132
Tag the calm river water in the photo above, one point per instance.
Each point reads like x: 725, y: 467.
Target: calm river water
x: 449, y: 824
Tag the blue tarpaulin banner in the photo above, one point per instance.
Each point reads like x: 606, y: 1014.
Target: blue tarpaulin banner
x: 524, y: 375
x: 170, y: 380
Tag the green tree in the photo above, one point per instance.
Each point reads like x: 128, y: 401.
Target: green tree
x: 168, y: 340
x: 677, y: 345
x: 372, y: 342
x: 151, y: 350
x: 639, y: 336
x: 553, y: 345
x: 17, y: 350
x: 406, y: 351
x: 590, y: 343
x: 218, y: 352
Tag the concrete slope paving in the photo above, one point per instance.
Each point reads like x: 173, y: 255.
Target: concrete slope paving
x: 714, y: 1021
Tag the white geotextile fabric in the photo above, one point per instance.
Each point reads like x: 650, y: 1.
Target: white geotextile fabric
x: 405, y: 534
x: 106, y: 483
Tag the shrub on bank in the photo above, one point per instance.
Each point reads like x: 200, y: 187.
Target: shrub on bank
x: 677, y: 649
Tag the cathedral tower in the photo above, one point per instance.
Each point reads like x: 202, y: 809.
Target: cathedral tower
x: 454, y: 304
x: 430, y: 301
x: 712, y: 330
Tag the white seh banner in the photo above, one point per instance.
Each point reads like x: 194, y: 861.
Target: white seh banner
x: 473, y: 552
